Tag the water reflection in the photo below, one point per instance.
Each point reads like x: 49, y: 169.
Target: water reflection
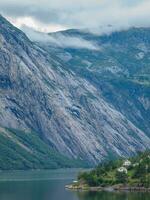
x: 113, y: 196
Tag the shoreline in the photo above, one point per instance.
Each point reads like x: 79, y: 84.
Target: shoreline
x: 107, y: 188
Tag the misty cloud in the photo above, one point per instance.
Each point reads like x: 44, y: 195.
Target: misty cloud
x: 60, y: 40
x: 92, y: 14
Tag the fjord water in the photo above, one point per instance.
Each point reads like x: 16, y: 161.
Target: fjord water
x: 50, y: 185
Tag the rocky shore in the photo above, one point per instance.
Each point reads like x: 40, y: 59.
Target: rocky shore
x: 118, y: 187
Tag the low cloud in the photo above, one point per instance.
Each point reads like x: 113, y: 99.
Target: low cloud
x: 50, y: 15
x: 60, y: 40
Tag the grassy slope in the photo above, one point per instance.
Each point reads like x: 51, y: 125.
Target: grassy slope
x: 138, y: 174
x: 20, y: 150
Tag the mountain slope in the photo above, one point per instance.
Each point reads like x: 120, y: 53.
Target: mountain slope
x: 23, y: 150
x: 120, y: 69
x: 38, y: 92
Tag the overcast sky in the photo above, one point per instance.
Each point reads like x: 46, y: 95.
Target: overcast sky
x: 53, y: 15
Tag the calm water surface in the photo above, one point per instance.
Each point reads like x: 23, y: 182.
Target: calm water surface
x: 49, y: 185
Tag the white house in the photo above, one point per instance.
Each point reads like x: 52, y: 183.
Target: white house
x: 127, y: 163
x: 122, y: 169
x: 135, y: 164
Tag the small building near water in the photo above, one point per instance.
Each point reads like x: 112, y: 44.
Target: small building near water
x: 122, y: 169
x: 127, y: 163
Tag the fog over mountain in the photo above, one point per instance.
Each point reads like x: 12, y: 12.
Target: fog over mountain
x: 49, y: 16
x: 60, y: 40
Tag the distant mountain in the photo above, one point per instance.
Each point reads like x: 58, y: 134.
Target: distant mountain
x: 86, y: 104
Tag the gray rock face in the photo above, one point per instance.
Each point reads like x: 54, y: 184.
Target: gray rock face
x: 37, y: 92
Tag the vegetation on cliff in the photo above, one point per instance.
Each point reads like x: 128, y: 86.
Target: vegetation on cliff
x: 21, y: 150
